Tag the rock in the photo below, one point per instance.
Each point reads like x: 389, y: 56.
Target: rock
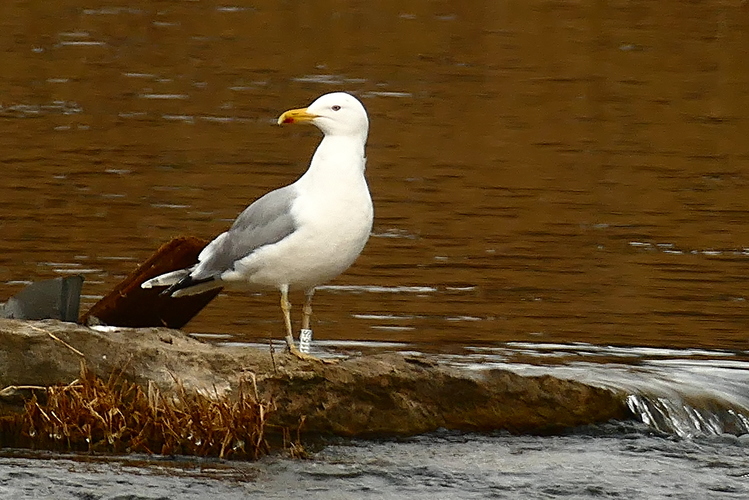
x: 57, y: 298
x: 384, y: 394
x: 43, y: 353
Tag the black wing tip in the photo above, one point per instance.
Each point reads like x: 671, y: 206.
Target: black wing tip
x: 186, y: 282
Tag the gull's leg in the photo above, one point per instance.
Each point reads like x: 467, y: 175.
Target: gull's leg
x: 286, y: 308
x: 307, y: 310
x: 305, y: 336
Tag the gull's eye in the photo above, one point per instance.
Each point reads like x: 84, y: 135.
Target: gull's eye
x: 336, y: 107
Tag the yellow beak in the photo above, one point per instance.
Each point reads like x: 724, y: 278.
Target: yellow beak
x: 296, y: 116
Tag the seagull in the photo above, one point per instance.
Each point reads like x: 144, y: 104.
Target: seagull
x: 301, y: 235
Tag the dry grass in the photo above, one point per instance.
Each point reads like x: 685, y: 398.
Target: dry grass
x: 294, y: 446
x: 117, y: 416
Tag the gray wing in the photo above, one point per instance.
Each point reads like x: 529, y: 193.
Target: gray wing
x: 268, y: 220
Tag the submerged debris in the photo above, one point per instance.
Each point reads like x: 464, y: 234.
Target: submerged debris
x: 130, y: 305
x: 127, y: 304
x: 58, y: 298
x: 118, y: 416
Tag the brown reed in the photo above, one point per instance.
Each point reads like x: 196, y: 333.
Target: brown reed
x: 118, y: 416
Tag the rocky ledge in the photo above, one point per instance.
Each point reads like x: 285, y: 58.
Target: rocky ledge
x: 373, y: 395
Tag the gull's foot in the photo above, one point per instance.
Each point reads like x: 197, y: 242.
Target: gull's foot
x: 309, y: 357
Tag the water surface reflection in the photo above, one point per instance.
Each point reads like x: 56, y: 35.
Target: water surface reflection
x: 543, y: 172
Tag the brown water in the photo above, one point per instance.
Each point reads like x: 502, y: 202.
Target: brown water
x: 541, y: 171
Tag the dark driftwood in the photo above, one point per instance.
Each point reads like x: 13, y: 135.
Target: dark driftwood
x: 130, y: 305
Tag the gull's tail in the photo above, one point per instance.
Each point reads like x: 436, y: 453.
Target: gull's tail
x: 181, y: 284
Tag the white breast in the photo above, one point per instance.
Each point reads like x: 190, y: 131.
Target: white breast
x: 333, y: 213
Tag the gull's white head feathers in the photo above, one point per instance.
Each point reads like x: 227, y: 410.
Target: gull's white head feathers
x: 336, y: 114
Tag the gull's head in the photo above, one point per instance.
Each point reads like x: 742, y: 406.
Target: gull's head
x: 338, y: 113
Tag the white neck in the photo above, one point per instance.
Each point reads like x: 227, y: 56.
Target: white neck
x: 336, y: 157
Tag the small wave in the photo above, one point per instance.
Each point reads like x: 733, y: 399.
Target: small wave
x: 676, y: 416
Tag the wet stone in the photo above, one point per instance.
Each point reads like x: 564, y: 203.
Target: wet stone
x: 372, y: 395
